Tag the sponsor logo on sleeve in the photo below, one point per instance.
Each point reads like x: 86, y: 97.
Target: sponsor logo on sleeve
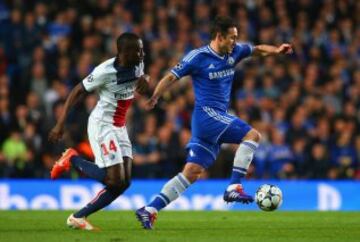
x: 90, y: 78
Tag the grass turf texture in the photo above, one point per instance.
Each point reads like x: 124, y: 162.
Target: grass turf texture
x: 121, y: 226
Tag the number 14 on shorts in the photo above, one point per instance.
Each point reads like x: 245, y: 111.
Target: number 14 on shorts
x: 111, y: 146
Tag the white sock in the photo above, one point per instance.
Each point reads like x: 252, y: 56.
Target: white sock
x: 242, y: 160
x: 171, y: 191
x: 245, y: 153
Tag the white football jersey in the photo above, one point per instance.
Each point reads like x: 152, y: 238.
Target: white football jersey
x: 115, y: 86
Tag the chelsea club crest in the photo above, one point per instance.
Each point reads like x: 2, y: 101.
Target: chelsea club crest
x: 179, y: 66
x: 231, y: 61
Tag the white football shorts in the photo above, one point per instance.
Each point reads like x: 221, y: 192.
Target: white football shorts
x: 108, y: 142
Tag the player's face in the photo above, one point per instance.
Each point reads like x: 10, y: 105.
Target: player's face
x: 228, y: 42
x: 136, y: 53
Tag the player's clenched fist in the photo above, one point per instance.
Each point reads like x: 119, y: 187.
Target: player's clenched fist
x: 285, y: 49
x: 142, y: 85
x: 56, y: 133
x: 151, y: 102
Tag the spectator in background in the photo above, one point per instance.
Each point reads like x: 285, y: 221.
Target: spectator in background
x: 3, y: 61
x: 279, y: 156
x: 6, y: 118
x: 301, y: 157
x: 344, y: 156
x: 357, y: 148
x: 147, y: 156
x: 38, y: 81
x: 17, y: 156
x: 14, y: 147
x: 168, y: 147
x: 298, y: 127
x: 36, y: 112
x: 21, y: 117
x: 318, y: 165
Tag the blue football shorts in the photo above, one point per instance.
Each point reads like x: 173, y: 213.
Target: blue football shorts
x: 210, y: 128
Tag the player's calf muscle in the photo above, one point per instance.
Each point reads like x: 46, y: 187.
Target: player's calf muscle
x: 192, y: 172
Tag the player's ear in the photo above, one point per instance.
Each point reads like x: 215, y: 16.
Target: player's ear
x: 220, y: 36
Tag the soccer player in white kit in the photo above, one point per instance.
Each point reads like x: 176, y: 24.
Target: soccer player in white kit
x: 115, y: 80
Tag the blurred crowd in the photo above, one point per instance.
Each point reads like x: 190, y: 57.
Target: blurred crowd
x: 306, y: 105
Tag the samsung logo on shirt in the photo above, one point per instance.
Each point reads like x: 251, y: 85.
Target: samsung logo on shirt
x: 221, y: 74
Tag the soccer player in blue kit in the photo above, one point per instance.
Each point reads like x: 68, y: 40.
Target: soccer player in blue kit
x: 212, y: 69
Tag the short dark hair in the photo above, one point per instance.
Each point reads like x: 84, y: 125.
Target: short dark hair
x: 221, y: 25
x: 125, y: 40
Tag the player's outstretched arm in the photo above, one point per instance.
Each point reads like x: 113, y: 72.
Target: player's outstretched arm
x: 265, y: 50
x: 160, y: 88
x: 74, y: 96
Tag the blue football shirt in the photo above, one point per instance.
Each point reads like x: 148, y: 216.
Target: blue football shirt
x: 212, y: 74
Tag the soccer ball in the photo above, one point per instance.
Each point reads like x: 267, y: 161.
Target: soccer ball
x: 268, y: 197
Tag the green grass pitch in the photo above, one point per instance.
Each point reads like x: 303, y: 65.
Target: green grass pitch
x: 192, y: 226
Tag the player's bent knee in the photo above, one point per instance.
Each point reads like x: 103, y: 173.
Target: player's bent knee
x: 257, y: 136
x: 112, y: 181
x: 116, y: 182
x: 254, y: 135
x: 119, y: 185
x: 116, y: 177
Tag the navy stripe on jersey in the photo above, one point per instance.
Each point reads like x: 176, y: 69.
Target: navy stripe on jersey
x: 124, y: 74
